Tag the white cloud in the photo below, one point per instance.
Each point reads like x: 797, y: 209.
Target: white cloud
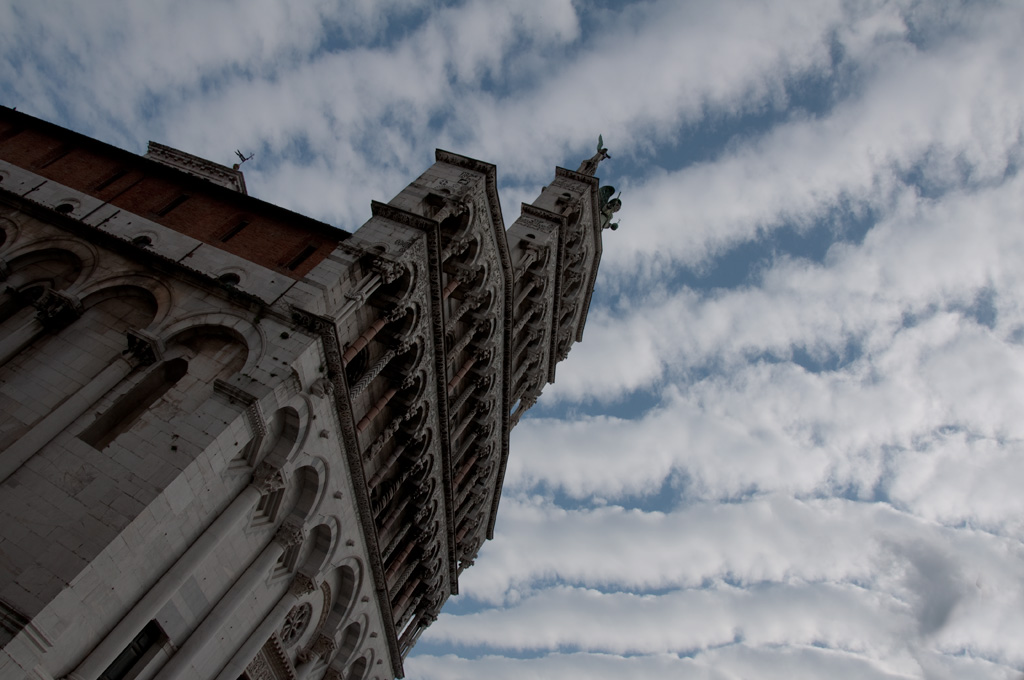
x: 854, y: 517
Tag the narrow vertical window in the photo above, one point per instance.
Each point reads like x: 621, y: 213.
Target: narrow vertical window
x: 123, y: 413
x: 163, y: 212
x: 234, y: 231
x: 134, y: 653
x: 56, y: 155
x: 300, y: 258
x: 110, y: 180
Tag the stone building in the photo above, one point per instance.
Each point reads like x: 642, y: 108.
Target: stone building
x: 236, y: 442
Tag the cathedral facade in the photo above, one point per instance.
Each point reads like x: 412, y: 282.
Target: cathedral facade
x: 238, y: 443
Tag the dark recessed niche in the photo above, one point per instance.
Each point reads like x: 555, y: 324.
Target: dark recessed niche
x: 142, y: 241
x: 230, y: 279
x: 65, y: 208
x: 530, y: 236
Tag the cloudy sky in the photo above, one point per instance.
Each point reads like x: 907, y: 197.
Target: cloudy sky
x: 790, y: 445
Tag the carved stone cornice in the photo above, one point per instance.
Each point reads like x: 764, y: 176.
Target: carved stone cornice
x: 577, y: 176
x: 199, y: 167
x: 543, y: 214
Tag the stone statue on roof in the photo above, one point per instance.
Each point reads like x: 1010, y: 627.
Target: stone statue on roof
x: 608, y: 206
x: 589, y: 166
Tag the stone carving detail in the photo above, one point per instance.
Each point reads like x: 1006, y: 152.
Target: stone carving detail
x: 321, y: 387
x: 56, y: 309
x: 323, y: 646
x: 289, y: 534
x: 259, y: 668
x: 302, y: 585
x: 143, y: 347
x: 267, y: 478
x: 389, y: 272
x: 295, y: 623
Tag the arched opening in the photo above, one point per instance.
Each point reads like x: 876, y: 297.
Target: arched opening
x: 306, y: 492
x: 349, y: 641
x: 317, y: 547
x: 358, y: 670
x: 282, y: 433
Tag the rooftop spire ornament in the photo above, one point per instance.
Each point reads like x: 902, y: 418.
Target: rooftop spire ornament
x: 242, y: 158
x: 589, y: 166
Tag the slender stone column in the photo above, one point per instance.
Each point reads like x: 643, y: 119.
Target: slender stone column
x: 450, y: 288
x: 300, y: 587
x: 461, y: 427
x: 376, y: 369
x: 386, y: 465
x: 365, y: 421
x: 525, y: 319
x: 398, y: 562
x: 141, y: 351
x: 393, y: 517
x: 528, y: 287
x: 466, y: 445
x: 180, y: 664
x: 457, y: 378
x: 471, y: 301
x: 265, y: 480
x: 461, y: 343
x: 457, y: 405
x: 465, y: 468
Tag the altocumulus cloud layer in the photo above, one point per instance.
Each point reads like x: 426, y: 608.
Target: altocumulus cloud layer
x: 790, y: 445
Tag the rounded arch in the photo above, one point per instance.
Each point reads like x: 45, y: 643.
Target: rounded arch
x: 251, y: 335
x: 8, y: 232
x: 346, y: 582
x: 213, y: 351
x: 158, y: 290
x: 359, y: 667
x: 86, y: 254
x: 407, y: 323
x: 349, y: 639
x: 57, y: 268
x: 283, y: 430
x: 305, y: 490
x: 317, y: 549
x: 456, y: 224
x: 144, y: 302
